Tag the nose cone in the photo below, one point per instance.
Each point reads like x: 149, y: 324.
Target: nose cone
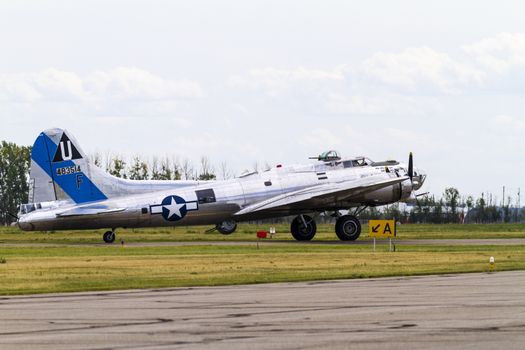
x: 25, y: 224
x: 419, y: 178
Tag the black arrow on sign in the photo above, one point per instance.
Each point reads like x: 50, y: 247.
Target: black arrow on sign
x: 374, y: 229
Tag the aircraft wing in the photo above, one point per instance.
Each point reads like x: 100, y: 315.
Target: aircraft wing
x: 83, y: 211
x: 325, y: 193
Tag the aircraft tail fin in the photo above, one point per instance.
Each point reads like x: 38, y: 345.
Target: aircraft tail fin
x: 61, y: 171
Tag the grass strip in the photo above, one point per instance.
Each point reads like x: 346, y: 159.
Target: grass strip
x: 29, y: 270
x: 246, y: 232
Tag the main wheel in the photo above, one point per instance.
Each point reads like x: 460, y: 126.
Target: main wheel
x: 226, y: 227
x: 348, y: 228
x: 301, y: 232
x: 109, y: 237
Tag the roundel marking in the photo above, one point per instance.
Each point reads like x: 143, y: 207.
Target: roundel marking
x: 173, y: 208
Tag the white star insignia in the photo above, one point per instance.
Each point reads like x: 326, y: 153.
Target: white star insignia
x: 174, y: 208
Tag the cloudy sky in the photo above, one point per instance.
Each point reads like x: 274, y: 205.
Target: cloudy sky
x: 275, y: 81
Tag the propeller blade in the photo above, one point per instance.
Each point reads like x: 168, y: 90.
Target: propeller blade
x: 410, y: 166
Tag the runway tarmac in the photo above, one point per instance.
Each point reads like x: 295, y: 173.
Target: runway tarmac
x: 478, y: 311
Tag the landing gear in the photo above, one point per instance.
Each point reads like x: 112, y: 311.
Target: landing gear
x: 109, y: 236
x: 347, y: 228
x: 226, y: 227
x: 303, y: 228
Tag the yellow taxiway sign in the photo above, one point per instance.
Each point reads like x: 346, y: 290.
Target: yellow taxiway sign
x: 382, y: 228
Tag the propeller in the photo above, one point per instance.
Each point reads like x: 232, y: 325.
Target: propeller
x: 410, y: 166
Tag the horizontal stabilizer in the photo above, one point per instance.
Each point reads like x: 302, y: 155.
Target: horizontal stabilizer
x: 84, y: 211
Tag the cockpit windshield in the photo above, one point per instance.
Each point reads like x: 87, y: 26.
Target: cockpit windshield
x: 361, y: 162
x: 30, y: 207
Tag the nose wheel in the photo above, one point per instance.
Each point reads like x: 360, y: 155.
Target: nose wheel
x: 109, y: 237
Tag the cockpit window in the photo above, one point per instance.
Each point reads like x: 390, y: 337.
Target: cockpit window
x: 28, y: 208
x: 361, y: 162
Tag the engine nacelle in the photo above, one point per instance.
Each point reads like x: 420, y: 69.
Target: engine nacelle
x: 390, y: 194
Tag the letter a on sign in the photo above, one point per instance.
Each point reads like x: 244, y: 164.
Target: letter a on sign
x: 387, y: 230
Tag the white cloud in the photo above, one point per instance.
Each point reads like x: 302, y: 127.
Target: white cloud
x: 134, y: 83
x: 373, y: 85
x: 348, y: 103
x: 53, y: 84
x: 509, y: 123
x: 421, y: 68
x: 17, y: 90
x: 339, y: 103
x: 385, y: 83
x: 120, y: 83
x: 320, y: 139
x: 499, y: 53
x: 279, y: 82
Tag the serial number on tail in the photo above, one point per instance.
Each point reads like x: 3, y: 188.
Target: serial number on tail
x: 68, y: 170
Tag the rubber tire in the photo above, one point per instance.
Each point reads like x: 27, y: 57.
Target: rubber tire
x: 109, y: 237
x: 224, y: 231
x: 347, y: 228
x: 299, y: 232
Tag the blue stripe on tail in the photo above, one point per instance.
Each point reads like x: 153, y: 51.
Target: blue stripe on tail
x: 66, y: 174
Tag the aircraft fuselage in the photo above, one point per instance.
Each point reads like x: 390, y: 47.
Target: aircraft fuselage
x: 217, y: 201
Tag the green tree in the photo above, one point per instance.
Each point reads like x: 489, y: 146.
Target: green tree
x: 469, y: 202
x: 451, y: 201
x: 155, y: 172
x: 139, y: 170
x: 392, y: 212
x: 14, y: 188
x: 437, y: 212
x: 166, y: 172
x: 206, y: 170
x: 118, y: 167
x: 187, y: 169
x: 480, y: 209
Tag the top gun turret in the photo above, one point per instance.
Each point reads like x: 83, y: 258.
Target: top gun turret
x: 328, y: 156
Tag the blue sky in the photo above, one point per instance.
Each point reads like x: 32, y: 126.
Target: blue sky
x: 275, y: 81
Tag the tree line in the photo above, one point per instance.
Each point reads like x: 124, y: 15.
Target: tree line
x: 14, y: 176
x: 450, y: 207
x: 164, y: 168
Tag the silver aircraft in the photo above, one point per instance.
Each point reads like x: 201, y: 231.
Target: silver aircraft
x: 67, y: 191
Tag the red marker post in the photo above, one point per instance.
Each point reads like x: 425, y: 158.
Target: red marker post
x: 261, y: 235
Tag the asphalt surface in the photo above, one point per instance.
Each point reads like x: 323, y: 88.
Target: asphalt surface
x: 477, y: 311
